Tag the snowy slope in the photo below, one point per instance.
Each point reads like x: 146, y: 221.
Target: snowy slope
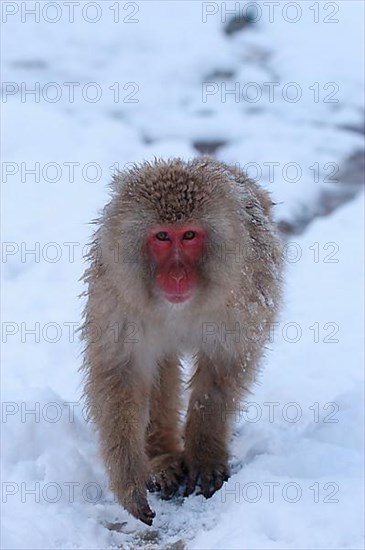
x: 166, y: 59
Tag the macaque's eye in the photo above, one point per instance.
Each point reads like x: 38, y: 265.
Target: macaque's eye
x: 189, y: 235
x: 162, y: 236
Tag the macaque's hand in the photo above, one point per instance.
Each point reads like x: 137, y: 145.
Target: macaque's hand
x: 209, y: 477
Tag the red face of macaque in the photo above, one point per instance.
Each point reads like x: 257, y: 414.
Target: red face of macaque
x: 176, y: 251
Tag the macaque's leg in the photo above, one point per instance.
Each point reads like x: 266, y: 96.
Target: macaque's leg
x: 122, y: 420
x: 164, y: 444
x: 211, y: 409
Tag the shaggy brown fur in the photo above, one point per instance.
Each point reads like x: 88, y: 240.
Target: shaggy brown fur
x: 135, y: 341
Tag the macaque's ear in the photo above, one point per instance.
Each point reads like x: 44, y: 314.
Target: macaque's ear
x: 261, y: 196
x: 265, y: 201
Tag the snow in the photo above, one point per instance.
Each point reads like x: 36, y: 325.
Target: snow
x: 166, y: 57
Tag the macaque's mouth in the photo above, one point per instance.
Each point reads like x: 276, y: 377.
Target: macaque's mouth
x: 177, y: 297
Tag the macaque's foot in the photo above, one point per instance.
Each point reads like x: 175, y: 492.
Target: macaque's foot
x: 209, y: 478
x: 142, y: 511
x: 134, y: 500
x: 166, y: 474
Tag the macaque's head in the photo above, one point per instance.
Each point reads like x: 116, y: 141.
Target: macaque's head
x: 176, y: 227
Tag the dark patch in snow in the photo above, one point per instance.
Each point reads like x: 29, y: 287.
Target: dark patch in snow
x: 118, y: 115
x: 348, y: 183
x: 30, y: 64
x: 354, y: 169
x: 208, y: 147
x: 357, y: 128
x: 148, y: 140
x: 240, y: 21
x: 220, y: 74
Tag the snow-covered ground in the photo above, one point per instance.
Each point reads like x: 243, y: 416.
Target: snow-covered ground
x: 164, y: 72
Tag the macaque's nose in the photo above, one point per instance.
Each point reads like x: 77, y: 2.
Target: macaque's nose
x: 177, y: 277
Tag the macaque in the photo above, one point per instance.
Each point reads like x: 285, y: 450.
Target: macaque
x: 185, y: 260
